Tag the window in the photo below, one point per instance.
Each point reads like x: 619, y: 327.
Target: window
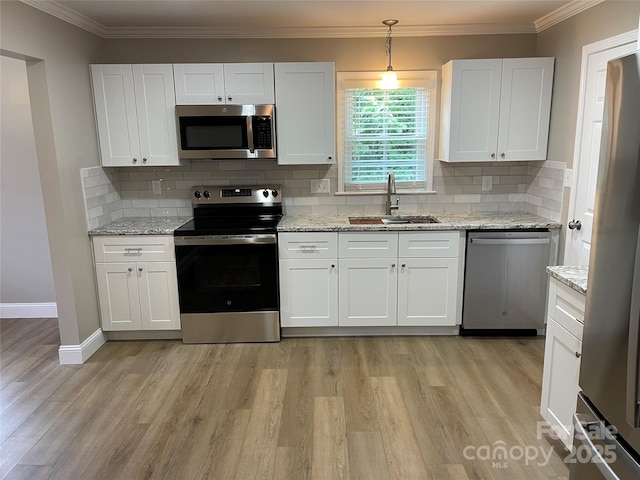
x: 386, y: 130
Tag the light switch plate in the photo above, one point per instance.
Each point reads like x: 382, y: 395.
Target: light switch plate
x: 487, y: 183
x: 321, y: 186
x: 156, y: 187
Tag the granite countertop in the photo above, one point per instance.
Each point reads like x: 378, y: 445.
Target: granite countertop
x: 572, y: 276
x: 141, y: 226
x: 448, y: 221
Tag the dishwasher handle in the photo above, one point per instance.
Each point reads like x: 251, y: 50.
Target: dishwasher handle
x: 509, y: 241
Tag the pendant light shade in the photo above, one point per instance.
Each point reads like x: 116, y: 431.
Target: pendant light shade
x: 389, y: 78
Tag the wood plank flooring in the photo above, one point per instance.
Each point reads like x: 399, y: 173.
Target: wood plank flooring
x: 323, y: 409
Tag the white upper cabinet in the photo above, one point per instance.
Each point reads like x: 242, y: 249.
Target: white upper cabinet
x: 495, y: 109
x: 220, y: 84
x: 305, y: 109
x: 135, y: 114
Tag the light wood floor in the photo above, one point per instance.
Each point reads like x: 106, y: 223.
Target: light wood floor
x: 331, y: 408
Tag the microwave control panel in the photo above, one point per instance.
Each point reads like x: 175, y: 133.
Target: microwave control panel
x: 262, y: 133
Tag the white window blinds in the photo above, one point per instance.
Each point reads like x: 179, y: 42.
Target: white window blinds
x: 384, y: 131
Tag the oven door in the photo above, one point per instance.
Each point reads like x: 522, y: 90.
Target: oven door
x: 228, y: 288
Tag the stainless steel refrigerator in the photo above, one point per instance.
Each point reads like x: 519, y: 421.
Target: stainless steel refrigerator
x: 607, y: 440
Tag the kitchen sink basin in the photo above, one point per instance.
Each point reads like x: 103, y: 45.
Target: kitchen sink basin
x: 392, y: 220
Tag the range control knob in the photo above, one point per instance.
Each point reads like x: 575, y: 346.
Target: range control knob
x: 197, y: 194
x: 265, y: 192
x: 274, y: 193
x: 206, y: 194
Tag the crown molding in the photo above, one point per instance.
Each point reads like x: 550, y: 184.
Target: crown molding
x: 563, y: 13
x: 317, y: 32
x: 68, y: 15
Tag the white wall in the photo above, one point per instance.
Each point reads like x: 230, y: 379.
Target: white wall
x: 25, y: 262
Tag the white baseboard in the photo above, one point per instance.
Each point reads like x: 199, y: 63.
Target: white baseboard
x: 78, y: 354
x: 28, y: 310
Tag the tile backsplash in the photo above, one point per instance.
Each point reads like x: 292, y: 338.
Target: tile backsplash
x: 116, y: 192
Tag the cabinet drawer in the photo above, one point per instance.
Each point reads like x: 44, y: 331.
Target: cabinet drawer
x: 429, y: 244
x: 368, y: 245
x: 124, y: 248
x: 568, y: 310
x: 308, y: 245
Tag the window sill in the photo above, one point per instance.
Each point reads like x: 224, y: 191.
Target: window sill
x: 383, y: 192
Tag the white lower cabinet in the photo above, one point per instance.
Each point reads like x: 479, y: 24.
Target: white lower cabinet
x: 369, y: 279
x: 308, y: 279
x: 563, y: 348
x: 137, y: 289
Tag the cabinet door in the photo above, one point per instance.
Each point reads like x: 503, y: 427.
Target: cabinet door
x: 427, y: 291
x: 116, y: 117
x: 199, y: 83
x: 470, y: 110
x: 155, y: 106
x: 118, y: 294
x: 368, y: 292
x: 249, y: 83
x: 309, y: 293
x: 158, y: 287
x: 525, y: 106
x: 305, y: 109
x: 560, y: 380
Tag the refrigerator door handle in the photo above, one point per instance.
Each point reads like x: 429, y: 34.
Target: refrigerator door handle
x: 582, y: 435
x: 634, y: 338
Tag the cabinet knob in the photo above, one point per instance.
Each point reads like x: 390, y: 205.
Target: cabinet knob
x: 493, y: 155
x: 140, y: 269
x: 144, y: 160
x: 329, y: 158
x: 575, y: 224
x: 404, y: 265
x: 229, y: 98
x: 219, y: 98
x: 393, y: 265
x: 130, y: 269
x: 578, y: 354
x: 135, y: 160
x: 503, y: 155
x: 333, y: 265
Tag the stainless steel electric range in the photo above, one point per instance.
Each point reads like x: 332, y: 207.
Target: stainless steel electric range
x: 227, y: 259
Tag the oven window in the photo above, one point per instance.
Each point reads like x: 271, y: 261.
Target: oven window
x: 227, y: 278
x: 213, y: 133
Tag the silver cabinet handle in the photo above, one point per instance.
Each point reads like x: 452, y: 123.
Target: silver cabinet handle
x: 502, y: 155
x: 130, y: 269
x: 308, y: 248
x: 493, y: 155
x: 575, y: 224
x: 132, y: 251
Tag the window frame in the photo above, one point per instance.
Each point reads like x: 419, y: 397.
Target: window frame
x: 417, y: 78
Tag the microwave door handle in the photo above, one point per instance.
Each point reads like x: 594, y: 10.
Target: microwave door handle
x: 634, y: 337
x: 250, y: 133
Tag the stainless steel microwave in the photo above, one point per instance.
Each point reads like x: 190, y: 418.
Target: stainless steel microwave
x: 226, y: 131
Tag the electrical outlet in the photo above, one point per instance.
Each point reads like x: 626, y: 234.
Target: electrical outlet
x: 568, y: 177
x: 156, y: 187
x: 321, y: 186
x: 487, y: 183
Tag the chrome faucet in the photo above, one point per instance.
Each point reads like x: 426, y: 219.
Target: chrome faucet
x: 391, y: 190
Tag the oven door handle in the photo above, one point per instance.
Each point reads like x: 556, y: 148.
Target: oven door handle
x: 225, y: 240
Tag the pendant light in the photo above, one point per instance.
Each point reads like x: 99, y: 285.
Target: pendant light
x: 389, y: 78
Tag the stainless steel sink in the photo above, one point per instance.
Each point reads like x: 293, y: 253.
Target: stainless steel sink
x: 393, y: 220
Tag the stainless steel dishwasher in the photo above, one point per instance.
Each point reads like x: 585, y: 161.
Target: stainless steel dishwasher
x: 505, y: 284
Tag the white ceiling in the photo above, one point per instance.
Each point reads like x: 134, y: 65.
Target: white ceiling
x: 308, y: 18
